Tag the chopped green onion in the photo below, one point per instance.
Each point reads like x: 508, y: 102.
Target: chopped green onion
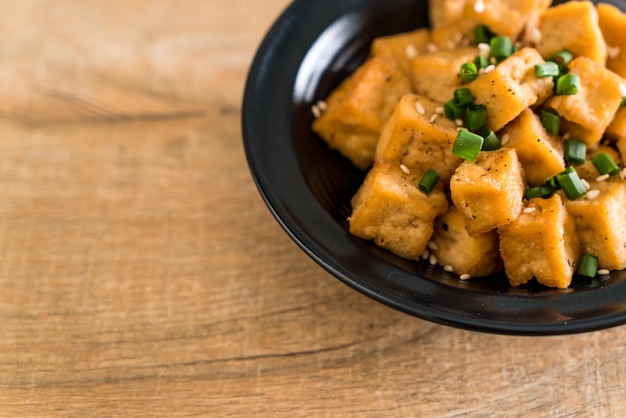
x: 542, y: 192
x: 588, y: 266
x: 482, y: 34
x: 563, y: 57
x: 568, y: 84
x: 491, y: 141
x: 550, y: 121
x: 481, y: 61
x: 468, y: 72
x: 452, y: 109
x: 547, y: 69
x: 604, y: 164
x: 463, y: 96
x: 501, y: 47
x: 552, y: 182
x: 428, y: 181
x: 571, y: 184
x: 467, y: 145
x: 623, y: 103
x: 475, y: 117
x: 575, y: 151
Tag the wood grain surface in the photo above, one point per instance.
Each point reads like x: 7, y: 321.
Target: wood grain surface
x: 142, y: 275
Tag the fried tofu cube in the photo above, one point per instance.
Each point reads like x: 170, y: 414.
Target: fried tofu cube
x: 443, y: 13
x: 616, y: 131
x: 589, y: 112
x: 613, y: 26
x: 389, y: 209
x: 403, y: 47
x: 573, y: 26
x: 489, y: 193
x: 356, y: 111
x: 505, y: 17
x: 541, y: 243
x: 454, y: 247
x: 418, y: 137
x: 540, y: 153
x: 459, y: 34
x: 601, y: 223
x: 436, y: 75
x: 511, y: 87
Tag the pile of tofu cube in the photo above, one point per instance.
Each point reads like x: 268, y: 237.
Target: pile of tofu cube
x: 387, y: 118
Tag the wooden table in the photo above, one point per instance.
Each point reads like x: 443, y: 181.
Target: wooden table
x: 141, y: 274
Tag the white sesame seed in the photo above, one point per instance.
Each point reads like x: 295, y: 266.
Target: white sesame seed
x: 535, y: 35
x: 433, y: 118
x: 405, y: 169
x: 484, y: 49
x: 425, y: 255
x: 586, y: 184
x: 603, y: 177
x: 322, y: 105
x: 432, y: 48
x: 613, y: 51
x: 440, y: 111
x: 432, y: 245
x: 493, y: 60
x: 529, y: 210
x: 505, y: 138
x: 489, y: 68
x: 316, y: 111
x: 622, y: 89
x: 479, y: 6
x: 411, y: 51
x: 592, y: 194
x: 465, y: 276
x: 622, y: 174
x: 603, y: 272
x: 459, y: 122
x: 432, y: 260
x: 566, y: 136
x: 420, y: 108
x: 449, y: 269
x: 481, y: 71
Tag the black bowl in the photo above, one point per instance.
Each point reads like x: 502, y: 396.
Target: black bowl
x: 307, y: 187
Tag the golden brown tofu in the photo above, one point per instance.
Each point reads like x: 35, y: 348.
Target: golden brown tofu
x: 573, y: 26
x: 456, y: 35
x: 616, y: 131
x: 358, y: 108
x: 418, y: 137
x: 436, y: 75
x: 589, y: 112
x: 489, y: 193
x: 505, y: 17
x: 540, y: 153
x: 541, y: 243
x: 389, y: 209
x: 601, y: 224
x: 613, y: 26
x: 511, y: 87
x: 444, y: 13
x: 403, y: 47
x: 455, y: 248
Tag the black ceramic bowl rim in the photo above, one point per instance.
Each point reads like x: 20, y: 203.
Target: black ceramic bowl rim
x: 307, y: 51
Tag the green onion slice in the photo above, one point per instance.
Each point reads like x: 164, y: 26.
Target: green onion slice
x: 481, y: 61
x: 575, y: 151
x: 467, y: 145
x: 571, y: 184
x: 568, y: 84
x: 588, y: 265
x: 547, y: 69
x: 604, y: 164
x: 428, y: 181
x: 475, y: 117
x: 542, y: 192
x: 563, y: 57
x: 501, y: 47
x: 550, y: 121
x: 482, y: 35
x: 490, y: 140
x: 623, y: 103
x: 463, y: 96
x: 468, y: 72
x: 452, y: 109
